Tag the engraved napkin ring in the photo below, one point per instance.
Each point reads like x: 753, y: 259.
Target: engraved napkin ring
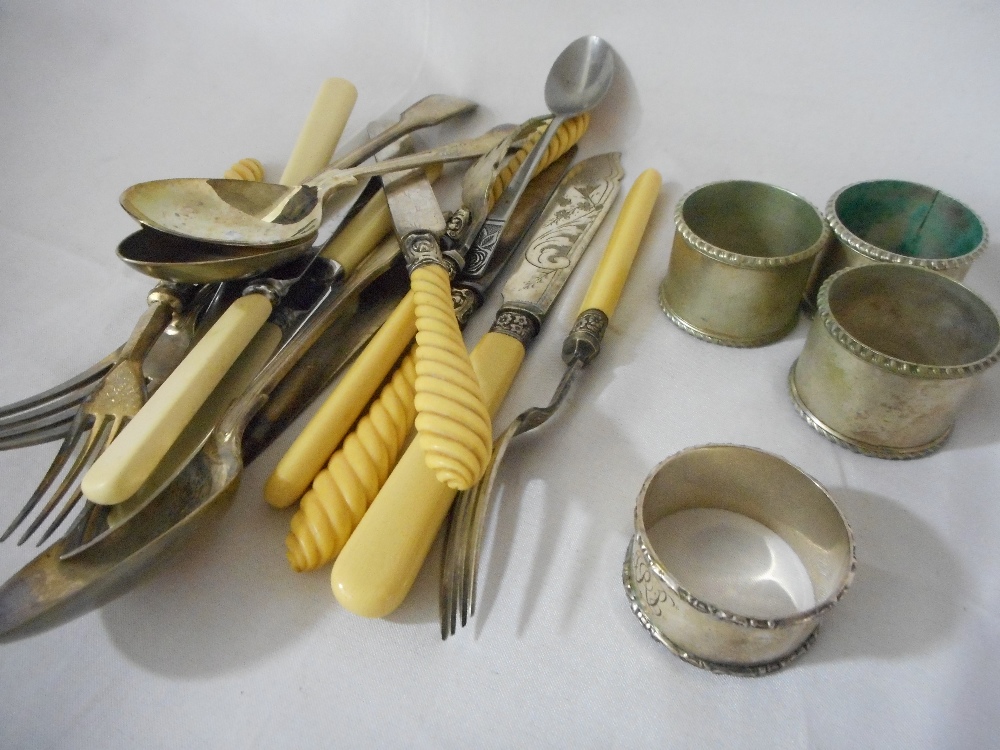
x: 758, y: 489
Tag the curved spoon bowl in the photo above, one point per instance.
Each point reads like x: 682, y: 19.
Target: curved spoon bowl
x: 172, y: 258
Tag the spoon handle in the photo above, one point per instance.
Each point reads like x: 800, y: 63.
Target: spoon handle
x: 457, y: 151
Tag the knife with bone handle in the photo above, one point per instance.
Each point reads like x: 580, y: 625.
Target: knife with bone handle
x: 311, y: 450
x: 118, y: 473
x: 381, y: 559
x: 453, y: 425
x: 342, y: 491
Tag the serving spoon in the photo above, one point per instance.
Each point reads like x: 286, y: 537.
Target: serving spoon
x: 227, y: 212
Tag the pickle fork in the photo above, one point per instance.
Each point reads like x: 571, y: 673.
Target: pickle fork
x: 466, y: 526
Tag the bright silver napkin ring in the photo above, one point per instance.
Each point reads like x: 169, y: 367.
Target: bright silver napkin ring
x: 783, y: 556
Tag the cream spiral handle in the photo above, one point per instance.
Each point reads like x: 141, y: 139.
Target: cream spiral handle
x: 249, y: 170
x: 453, y: 426
x: 341, y: 492
x: 328, y: 511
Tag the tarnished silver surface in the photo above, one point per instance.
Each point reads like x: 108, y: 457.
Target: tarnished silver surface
x: 583, y: 342
x: 564, y: 231
x: 260, y: 214
x: 770, y: 491
x: 893, y: 221
x: 740, y: 261
x: 49, y: 591
x: 566, y: 228
x: 891, y: 354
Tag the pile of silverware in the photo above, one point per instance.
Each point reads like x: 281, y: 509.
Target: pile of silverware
x: 266, y: 292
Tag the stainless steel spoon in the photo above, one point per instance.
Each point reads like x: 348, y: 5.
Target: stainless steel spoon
x: 577, y: 82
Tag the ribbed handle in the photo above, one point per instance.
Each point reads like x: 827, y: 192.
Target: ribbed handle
x: 377, y: 567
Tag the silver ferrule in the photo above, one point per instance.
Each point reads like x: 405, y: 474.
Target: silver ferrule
x: 457, y: 223
x: 273, y: 289
x: 517, y: 324
x: 465, y: 302
x: 583, y: 343
x: 422, y: 249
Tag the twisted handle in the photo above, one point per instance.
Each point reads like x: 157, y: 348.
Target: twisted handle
x: 328, y: 512
x: 453, y: 426
x: 341, y: 493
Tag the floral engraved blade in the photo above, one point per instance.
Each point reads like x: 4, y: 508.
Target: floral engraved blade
x: 563, y: 232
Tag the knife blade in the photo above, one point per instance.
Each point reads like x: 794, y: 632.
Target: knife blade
x: 380, y: 561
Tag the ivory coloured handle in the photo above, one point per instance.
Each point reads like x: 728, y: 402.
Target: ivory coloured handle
x: 131, y: 457
x: 609, y: 278
x: 378, y: 565
x: 321, y: 131
x: 314, y: 445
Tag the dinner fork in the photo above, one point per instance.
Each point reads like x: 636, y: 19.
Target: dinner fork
x: 103, y: 413
x: 467, y: 522
x: 49, y: 415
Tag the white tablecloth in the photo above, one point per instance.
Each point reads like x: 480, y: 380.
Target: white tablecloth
x: 227, y: 647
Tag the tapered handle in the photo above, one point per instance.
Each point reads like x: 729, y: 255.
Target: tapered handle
x: 314, y: 445
x: 130, y: 459
x: 321, y: 132
x: 609, y: 278
x: 378, y: 565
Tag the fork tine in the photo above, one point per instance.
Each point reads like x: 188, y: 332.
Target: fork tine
x: 459, y: 553
x: 96, y: 441
x: 446, y: 612
x: 65, y: 451
x: 73, y: 390
x: 61, y: 516
x: 47, y: 410
x: 38, y: 435
x: 484, y: 493
x: 42, y: 421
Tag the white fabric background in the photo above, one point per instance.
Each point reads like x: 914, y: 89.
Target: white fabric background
x: 226, y: 647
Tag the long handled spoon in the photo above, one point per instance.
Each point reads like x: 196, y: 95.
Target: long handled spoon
x: 223, y: 211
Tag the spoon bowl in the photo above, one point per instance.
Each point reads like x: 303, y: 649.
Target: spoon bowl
x: 172, y: 258
x: 580, y: 77
x: 262, y: 215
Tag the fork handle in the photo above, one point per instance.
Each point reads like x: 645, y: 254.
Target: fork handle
x: 378, y: 565
x: 131, y: 457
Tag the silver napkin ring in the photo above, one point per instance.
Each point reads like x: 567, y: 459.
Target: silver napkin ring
x: 768, y: 491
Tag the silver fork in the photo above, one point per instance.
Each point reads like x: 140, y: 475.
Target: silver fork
x: 50, y: 415
x: 467, y: 522
x: 103, y: 413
